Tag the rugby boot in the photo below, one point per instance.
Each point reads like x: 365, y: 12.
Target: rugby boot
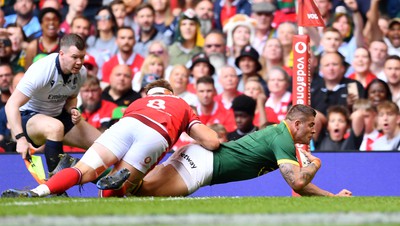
x: 114, y: 181
x: 14, y: 193
x: 66, y: 161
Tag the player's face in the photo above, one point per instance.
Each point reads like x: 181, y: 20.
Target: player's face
x: 306, y: 130
x: 71, y: 59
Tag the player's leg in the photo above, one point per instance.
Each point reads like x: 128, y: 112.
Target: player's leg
x: 94, y: 162
x: 82, y: 135
x: 42, y: 129
x: 147, y: 147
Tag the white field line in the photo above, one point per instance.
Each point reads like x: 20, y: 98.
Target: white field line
x: 210, y: 219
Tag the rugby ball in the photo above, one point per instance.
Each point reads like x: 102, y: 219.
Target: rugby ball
x: 301, y: 158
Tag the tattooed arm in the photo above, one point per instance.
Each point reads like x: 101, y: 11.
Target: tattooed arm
x: 298, y: 178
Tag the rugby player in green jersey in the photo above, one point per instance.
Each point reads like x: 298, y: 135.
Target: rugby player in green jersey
x: 255, y: 154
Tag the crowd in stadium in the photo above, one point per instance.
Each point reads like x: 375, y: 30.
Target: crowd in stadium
x: 230, y: 60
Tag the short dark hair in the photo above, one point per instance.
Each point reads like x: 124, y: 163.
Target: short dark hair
x: 72, y: 40
x: 46, y: 10
x: 205, y: 80
x: 158, y: 83
x: 145, y: 5
x: 300, y: 112
x: 340, y: 109
x: 80, y: 17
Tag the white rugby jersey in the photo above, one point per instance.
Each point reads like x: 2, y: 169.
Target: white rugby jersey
x: 45, y: 86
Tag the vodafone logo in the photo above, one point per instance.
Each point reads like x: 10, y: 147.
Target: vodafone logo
x: 300, y: 47
x: 312, y: 16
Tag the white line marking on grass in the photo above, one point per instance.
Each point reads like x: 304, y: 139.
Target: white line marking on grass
x: 210, y: 219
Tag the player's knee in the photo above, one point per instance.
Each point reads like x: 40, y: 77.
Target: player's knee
x: 55, y: 127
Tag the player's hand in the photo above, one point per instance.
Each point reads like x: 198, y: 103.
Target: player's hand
x: 309, y: 155
x: 344, y: 193
x: 75, y: 116
x: 22, y: 147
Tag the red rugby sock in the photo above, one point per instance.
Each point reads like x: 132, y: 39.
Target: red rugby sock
x: 64, y: 180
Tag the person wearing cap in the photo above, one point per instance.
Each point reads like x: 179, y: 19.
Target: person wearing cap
x: 248, y: 63
x: 240, y: 32
x: 25, y: 17
x: 392, y: 38
x: 90, y: 64
x: 244, y: 108
x: 137, y: 142
x: 96, y: 111
x: 263, y: 13
x: 49, y: 40
x: 189, y: 40
x: 200, y: 67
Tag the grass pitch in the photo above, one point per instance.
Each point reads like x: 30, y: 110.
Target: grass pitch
x: 201, y: 211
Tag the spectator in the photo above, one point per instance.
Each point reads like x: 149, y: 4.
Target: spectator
x: 120, y: 89
x: 189, y: 40
x: 215, y: 48
x: 126, y: 55
x: 391, y: 39
x: 361, y: 65
x: 119, y: 11
x: 204, y: 11
x: 240, y: 32
x: 96, y: 111
x: 379, y: 53
x: 75, y: 8
x: 200, y: 66
x: 152, y: 65
x: 370, y: 133
x: 19, y: 42
x: 272, y: 56
x: 2, y: 19
x: 164, y: 20
x: 280, y: 99
x: 248, y: 63
x: 229, y: 82
x: 148, y: 33
x: 103, y: 45
x: 25, y: 18
x: 263, y: 13
x: 6, y: 52
x: 339, y: 121
x: 377, y: 91
x: 285, y: 34
x: 388, y: 121
x: 333, y: 90
x: 224, y: 10
x: 210, y: 111
x: 49, y: 41
x: 91, y: 66
x: 263, y: 115
x: 55, y: 4
x: 6, y: 77
x: 179, y: 79
x: 80, y: 25
x: 392, y: 72
x: 158, y: 48
x: 243, y: 109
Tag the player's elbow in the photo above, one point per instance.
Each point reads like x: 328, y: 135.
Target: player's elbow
x: 211, y: 144
x: 298, y: 185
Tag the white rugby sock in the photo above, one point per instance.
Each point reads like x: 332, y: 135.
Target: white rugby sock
x: 42, y: 190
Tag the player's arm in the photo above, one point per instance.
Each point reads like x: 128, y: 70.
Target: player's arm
x: 204, y: 136
x: 298, y: 177
x: 313, y: 190
x: 16, y: 100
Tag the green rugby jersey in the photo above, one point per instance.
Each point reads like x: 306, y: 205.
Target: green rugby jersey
x: 254, y: 154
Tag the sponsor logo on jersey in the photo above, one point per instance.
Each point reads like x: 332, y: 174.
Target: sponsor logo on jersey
x: 189, y: 160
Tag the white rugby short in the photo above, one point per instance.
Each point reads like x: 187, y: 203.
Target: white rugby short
x: 195, y: 165
x: 134, y: 142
